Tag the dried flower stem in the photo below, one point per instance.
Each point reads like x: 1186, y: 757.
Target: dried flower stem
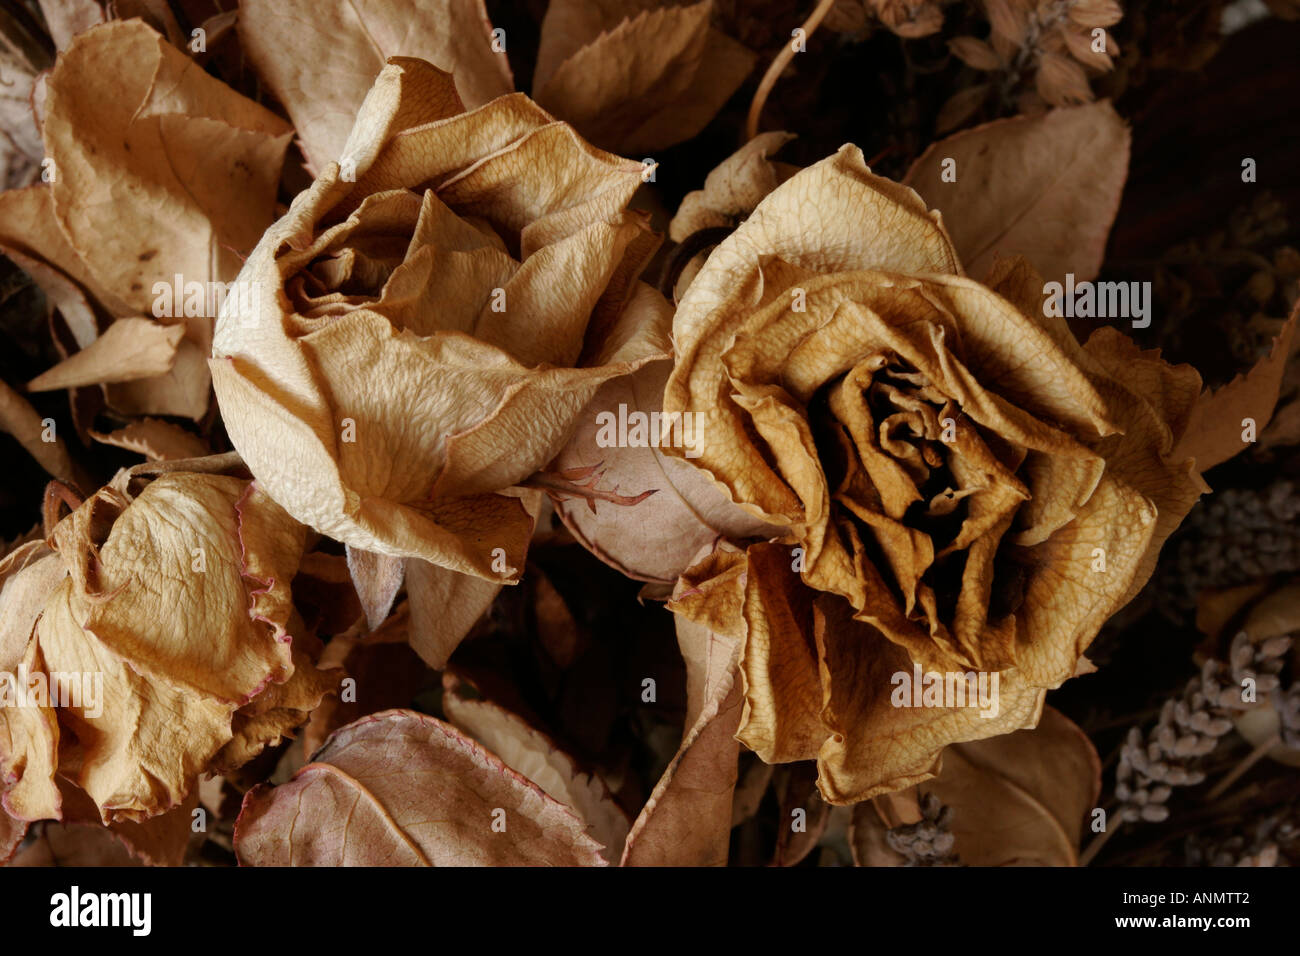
x: 778, y: 65
x: 56, y: 493
x: 559, y: 486
x: 1098, y: 842
x: 1245, y: 764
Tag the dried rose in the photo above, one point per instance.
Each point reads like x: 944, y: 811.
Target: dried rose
x: 429, y: 319
x: 162, y: 648
x: 966, y: 487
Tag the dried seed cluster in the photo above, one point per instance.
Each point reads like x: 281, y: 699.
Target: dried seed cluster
x: 1233, y: 537
x: 1191, y: 726
x: 930, y: 841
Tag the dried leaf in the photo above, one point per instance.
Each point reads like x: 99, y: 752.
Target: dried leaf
x: 538, y: 760
x: 639, y: 78
x: 1021, y: 799
x: 403, y: 789
x: 166, y: 172
x: 687, y: 819
x: 1215, y: 431
x: 18, y: 418
x: 129, y: 349
x: 975, y: 53
x: 1018, y: 179
x: 157, y: 440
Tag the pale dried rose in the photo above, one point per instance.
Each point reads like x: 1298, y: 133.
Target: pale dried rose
x: 659, y: 537
x: 967, y: 488
x: 428, y: 323
x: 164, y: 612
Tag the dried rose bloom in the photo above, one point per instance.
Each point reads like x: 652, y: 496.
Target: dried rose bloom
x: 430, y: 318
x: 159, y: 628
x: 966, y: 488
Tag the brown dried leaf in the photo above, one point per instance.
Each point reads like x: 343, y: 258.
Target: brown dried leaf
x: 535, y: 757
x: 156, y: 439
x: 129, y: 349
x: 687, y: 819
x: 636, y: 78
x: 18, y: 418
x: 403, y: 789
x: 961, y: 106
x: 1019, y: 179
x: 1061, y: 82
x: 975, y: 53
x: 1214, y: 431
x: 1021, y: 799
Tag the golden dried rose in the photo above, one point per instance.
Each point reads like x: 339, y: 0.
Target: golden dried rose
x: 151, y: 645
x: 430, y: 317
x: 966, y: 488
